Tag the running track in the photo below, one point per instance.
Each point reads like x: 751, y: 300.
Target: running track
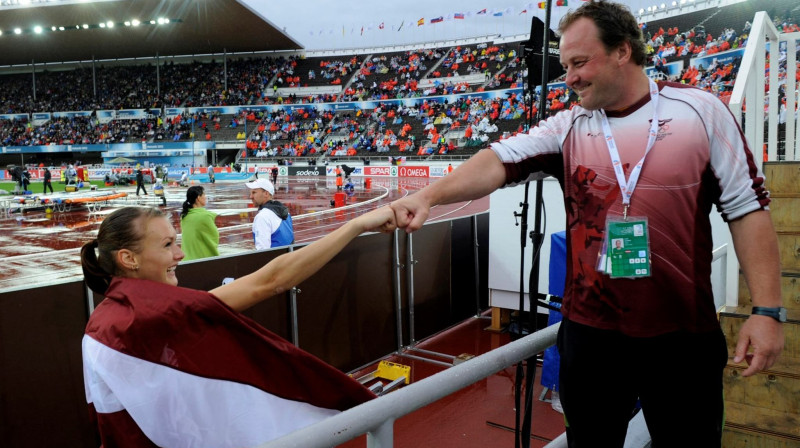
x: 39, y: 248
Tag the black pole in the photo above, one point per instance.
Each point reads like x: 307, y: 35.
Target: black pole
x: 536, y: 235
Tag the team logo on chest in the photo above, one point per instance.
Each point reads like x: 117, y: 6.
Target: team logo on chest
x: 663, y: 128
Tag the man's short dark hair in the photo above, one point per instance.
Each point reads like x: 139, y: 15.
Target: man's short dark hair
x: 615, y: 23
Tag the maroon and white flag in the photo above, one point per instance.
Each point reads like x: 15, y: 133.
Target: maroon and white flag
x: 176, y: 367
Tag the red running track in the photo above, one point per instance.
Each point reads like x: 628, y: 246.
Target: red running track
x: 40, y: 248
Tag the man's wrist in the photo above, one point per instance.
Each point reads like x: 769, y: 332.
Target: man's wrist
x: 777, y: 313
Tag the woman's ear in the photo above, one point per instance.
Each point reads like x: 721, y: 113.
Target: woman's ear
x: 126, y: 260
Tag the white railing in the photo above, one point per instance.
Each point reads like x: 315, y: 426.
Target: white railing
x: 748, y: 91
x: 376, y: 418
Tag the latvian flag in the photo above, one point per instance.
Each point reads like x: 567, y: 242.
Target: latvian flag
x: 437, y: 19
x: 176, y: 367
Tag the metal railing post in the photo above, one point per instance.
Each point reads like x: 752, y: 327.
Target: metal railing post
x: 382, y: 436
x: 477, y: 263
x: 410, y: 262
x: 293, y: 311
x: 397, y: 291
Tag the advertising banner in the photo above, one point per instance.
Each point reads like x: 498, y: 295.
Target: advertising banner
x: 413, y: 171
x: 306, y: 171
x: 390, y: 171
x: 438, y: 171
x: 357, y: 171
x: 723, y: 58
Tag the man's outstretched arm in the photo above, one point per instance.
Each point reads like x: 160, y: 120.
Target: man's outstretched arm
x: 477, y: 177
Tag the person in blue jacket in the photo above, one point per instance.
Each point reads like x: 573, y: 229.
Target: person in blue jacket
x: 272, y: 226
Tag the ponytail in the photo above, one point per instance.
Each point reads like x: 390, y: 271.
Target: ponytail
x: 96, y: 278
x: 191, y: 197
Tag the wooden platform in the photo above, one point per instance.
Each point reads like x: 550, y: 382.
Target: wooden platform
x: 763, y: 411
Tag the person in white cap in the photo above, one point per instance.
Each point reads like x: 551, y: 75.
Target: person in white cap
x: 272, y: 226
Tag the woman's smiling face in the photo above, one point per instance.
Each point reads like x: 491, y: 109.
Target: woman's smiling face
x: 160, y: 252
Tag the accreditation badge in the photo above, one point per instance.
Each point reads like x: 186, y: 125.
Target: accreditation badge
x: 626, y: 246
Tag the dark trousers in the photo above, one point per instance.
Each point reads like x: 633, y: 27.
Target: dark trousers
x: 138, y: 186
x: 47, y: 185
x: 676, y: 377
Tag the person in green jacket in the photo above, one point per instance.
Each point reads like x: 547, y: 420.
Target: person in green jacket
x: 199, y: 234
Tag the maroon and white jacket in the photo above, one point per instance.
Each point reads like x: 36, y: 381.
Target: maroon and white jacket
x: 700, y: 158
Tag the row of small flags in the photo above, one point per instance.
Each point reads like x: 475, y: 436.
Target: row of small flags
x: 485, y: 12
x: 461, y: 16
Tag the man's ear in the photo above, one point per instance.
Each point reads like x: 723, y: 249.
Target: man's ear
x: 126, y: 260
x: 623, y: 53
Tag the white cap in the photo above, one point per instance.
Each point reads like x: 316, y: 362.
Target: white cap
x: 263, y: 184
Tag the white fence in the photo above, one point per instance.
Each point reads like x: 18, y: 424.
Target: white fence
x: 748, y: 91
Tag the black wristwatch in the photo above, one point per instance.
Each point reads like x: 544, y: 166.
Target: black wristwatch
x: 778, y: 314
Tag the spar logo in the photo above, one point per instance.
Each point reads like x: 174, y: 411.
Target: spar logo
x: 413, y: 171
x: 378, y: 170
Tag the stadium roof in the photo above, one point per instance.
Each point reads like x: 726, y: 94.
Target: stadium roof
x: 99, y: 30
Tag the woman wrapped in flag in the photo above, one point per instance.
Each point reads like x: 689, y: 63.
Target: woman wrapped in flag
x: 177, y: 367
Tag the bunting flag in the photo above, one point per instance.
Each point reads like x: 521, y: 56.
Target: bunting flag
x: 458, y: 15
x: 380, y: 27
x: 437, y: 19
x: 542, y: 5
x: 152, y: 367
x: 524, y: 11
x: 498, y: 14
x: 482, y: 11
x: 561, y: 2
x: 421, y: 21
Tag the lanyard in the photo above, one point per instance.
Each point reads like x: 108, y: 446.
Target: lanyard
x: 627, y: 187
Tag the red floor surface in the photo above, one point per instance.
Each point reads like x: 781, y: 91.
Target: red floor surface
x: 481, y: 415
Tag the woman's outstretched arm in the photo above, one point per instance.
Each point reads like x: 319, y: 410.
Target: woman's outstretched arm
x: 291, y: 268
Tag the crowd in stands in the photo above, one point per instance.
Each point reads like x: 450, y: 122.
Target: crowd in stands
x: 433, y: 127
x: 438, y: 128
x: 78, y: 130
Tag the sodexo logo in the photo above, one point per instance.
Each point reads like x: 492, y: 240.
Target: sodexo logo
x: 305, y: 171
